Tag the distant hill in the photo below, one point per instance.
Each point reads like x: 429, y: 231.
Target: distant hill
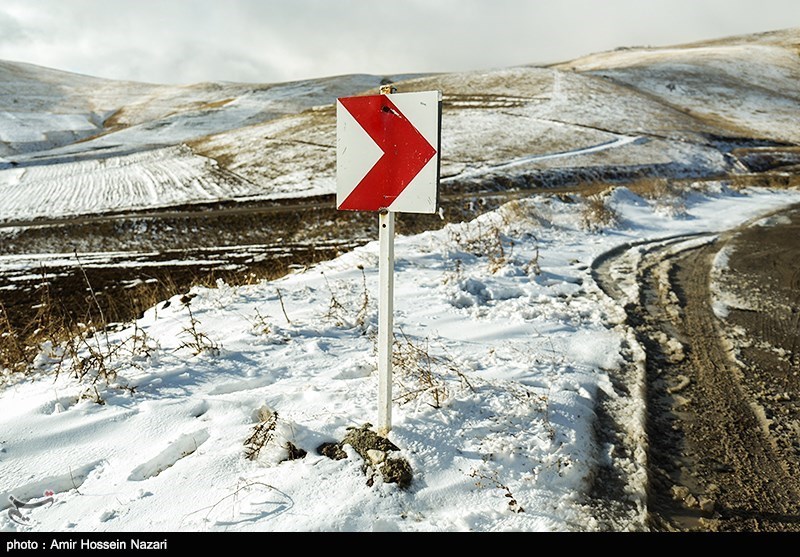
x: 73, y: 144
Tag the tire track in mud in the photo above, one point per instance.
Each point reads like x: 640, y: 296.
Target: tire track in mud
x: 712, y: 461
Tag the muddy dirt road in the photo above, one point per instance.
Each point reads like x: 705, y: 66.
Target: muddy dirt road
x: 718, y: 317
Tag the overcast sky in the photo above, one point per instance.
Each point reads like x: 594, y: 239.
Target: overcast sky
x: 186, y: 41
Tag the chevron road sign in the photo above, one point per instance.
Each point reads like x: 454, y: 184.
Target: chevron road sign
x: 388, y: 152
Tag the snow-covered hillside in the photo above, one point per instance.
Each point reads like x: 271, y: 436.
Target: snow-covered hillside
x: 742, y: 86
x: 39, y: 105
x: 66, y: 140
x: 674, y: 111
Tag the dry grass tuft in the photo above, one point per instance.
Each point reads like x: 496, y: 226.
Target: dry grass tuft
x: 263, y: 433
x: 596, y: 213
x: 423, y: 375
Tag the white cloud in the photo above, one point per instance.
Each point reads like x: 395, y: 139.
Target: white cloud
x: 272, y: 40
x: 11, y: 30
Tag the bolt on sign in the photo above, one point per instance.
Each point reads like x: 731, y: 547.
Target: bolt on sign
x: 387, y: 149
x: 387, y: 160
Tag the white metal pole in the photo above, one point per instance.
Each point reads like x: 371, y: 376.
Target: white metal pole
x: 385, y: 320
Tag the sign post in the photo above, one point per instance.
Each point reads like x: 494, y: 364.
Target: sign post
x: 385, y: 319
x: 387, y: 160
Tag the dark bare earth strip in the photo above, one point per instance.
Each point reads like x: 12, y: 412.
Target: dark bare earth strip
x: 732, y: 460
x: 722, y: 429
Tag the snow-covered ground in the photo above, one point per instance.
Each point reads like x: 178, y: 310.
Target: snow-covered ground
x: 502, y: 311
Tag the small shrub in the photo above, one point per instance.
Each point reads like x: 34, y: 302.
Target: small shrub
x: 283, y: 307
x: 363, y: 310
x: 260, y: 324
x: 269, y: 439
x: 13, y: 350
x: 336, y: 313
x: 350, y: 313
x: 263, y: 433
x: 198, y: 342
x: 665, y: 194
x: 493, y: 481
x: 596, y: 213
x: 422, y: 375
x: 482, y: 240
x: 533, y: 267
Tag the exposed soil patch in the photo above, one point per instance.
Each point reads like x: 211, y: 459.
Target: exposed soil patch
x: 126, y: 284
x: 378, y: 455
x: 134, y: 261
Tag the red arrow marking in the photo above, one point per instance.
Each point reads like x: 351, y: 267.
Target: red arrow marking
x: 405, y: 152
